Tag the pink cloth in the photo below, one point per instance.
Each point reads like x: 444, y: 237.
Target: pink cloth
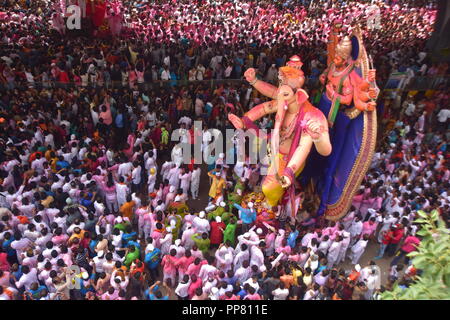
x: 169, y: 264
x: 195, y: 269
x: 286, y: 250
x: 254, y: 296
x: 106, y: 115
x: 411, y: 243
x: 193, y: 286
x: 183, y: 263
x: 4, y: 264
x: 368, y: 228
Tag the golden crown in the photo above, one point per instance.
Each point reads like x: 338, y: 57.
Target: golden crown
x: 344, y: 48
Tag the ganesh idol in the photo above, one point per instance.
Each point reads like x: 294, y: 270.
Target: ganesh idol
x: 298, y: 126
x: 348, y: 102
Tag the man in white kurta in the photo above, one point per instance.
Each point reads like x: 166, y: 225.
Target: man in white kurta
x: 243, y: 273
x: 195, y: 182
x: 333, y: 252
x: 201, y: 224
x: 242, y: 256
x: 122, y: 191
x: 124, y: 170
x: 186, y: 238
x: 151, y: 180
x: 344, y: 246
x: 185, y: 180
x: 358, y: 249
x: 177, y: 155
x: 224, y: 259
x: 165, y: 168
x: 173, y: 177
x: 257, y: 258
x: 355, y: 230
x: 150, y: 159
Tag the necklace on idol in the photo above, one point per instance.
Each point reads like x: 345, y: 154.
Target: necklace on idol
x: 338, y: 73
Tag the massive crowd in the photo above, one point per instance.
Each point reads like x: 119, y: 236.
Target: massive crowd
x: 210, y: 40
x: 90, y: 177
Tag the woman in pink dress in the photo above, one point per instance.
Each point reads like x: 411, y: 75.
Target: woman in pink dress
x: 140, y: 69
x: 132, y: 76
x: 4, y: 264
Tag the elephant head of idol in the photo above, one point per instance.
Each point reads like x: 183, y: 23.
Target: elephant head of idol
x: 291, y: 79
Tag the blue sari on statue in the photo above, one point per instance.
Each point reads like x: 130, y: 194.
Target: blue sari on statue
x: 346, y: 139
x: 338, y: 176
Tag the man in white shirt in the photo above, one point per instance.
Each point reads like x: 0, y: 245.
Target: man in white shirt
x: 201, y: 224
x: 173, y: 176
x: 29, y: 276
x: 136, y: 177
x: 121, y: 191
x: 124, y: 170
x: 442, y: 117
x: 183, y: 286
x: 195, y: 181
x: 334, y: 251
x: 281, y: 292
x: 165, y: 75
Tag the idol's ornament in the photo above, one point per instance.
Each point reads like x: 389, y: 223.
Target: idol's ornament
x: 348, y: 102
x: 298, y: 125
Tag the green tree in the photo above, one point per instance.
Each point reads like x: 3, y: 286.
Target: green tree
x: 433, y: 258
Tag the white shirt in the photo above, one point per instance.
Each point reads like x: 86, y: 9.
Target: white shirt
x: 182, y: 289
x: 280, y: 294
x: 165, y: 75
x: 27, y: 279
x: 443, y: 115
x: 125, y: 169
x: 136, y: 175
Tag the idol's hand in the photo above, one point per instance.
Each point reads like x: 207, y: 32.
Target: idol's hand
x: 372, y: 75
x: 236, y: 121
x: 373, y: 94
x: 250, y: 75
x: 315, y: 129
x: 330, y: 91
x: 285, y: 181
x: 371, y: 106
